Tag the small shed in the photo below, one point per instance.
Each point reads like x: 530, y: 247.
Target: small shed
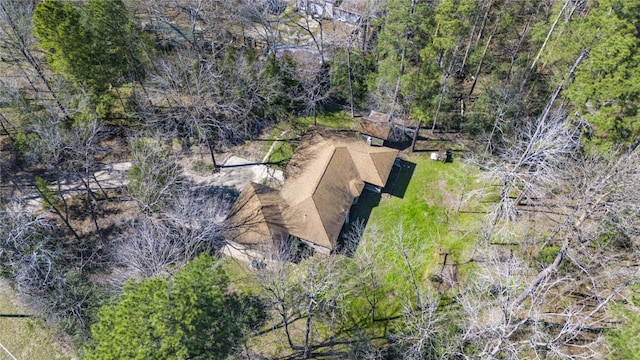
x: 376, y: 128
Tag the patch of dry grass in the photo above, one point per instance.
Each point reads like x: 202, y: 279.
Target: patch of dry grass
x: 25, y: 338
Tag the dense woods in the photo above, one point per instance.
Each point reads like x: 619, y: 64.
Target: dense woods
x: 537, y: 259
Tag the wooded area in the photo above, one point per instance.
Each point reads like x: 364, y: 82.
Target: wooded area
x: 526, y: 247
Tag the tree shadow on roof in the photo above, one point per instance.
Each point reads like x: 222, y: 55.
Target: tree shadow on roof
x: 399, y: 178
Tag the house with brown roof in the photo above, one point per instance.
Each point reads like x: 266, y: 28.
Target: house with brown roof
x: 324, y: 177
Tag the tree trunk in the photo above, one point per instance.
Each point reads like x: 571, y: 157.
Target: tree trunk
x: 475, y: 78
x: 546, y: 40
x: 213, y: 157
x: 444, y: 87
x: 285, y: 322
x: 26, y: 53
x: 544, y: 45
x: 468, y: 48
x: 349, y: 74
x: 62, y: 216
x: 307, y: 332
x: 484, y: 22
x: 484, y: 52
x: 555, y: 94
x: 515, y: 52
x: 3, y: 119
x: 402, y: 58
x: 415, y: 136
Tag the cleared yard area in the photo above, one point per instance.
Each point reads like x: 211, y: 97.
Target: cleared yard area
x: 23, y: 337
x: 426, y: 213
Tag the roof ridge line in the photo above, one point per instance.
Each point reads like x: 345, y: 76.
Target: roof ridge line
x: 325, y: 166
x: 325, y: 231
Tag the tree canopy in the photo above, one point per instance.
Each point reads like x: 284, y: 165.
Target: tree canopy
x: 93, y: 46
x: 606, y: 86
x: 191, y: 315
x: 405, y: 77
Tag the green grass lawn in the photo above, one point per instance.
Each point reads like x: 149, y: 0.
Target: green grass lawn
x: 25, y: 338
x: 333, y: 120
x: 429, y: 220
x: 430, y: 214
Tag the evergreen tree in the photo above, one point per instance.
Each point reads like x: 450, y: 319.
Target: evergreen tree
x: 192, y: 315
x: 406, y: 77
x: 606, y: 86
x: 624, y: 340
x: 114, y: 41
x: 57, y: 24
x: 349, y: 71
x: 94, y: 47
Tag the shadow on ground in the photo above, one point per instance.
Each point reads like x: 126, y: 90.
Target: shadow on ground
x: 361, y: 211
x: 352, y: 231
x: 399, y: 178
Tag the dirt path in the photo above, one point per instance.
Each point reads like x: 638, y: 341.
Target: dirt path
x: 234, y: 172
x: 113, y: 176
x: 273, y: 146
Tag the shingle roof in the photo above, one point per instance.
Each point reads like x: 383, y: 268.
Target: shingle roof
x: 378, y: 116
x: 324, y: 176
x: 374, y: 163
x: 379, y: 129
x: 256, y: 216
x: 318, y: 215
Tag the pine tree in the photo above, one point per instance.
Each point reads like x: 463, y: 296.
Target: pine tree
x: 406, y: 78
x: 95, y: 46
x: 192, y: 315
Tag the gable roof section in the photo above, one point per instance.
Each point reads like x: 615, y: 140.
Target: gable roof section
x: 374, y: 163
x: 379, y: 129
x: 378, y: 116
x: 256, y: 216
x: 318, y: 215
x: 306, y: 169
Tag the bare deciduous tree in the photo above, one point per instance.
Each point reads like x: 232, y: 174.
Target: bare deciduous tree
x: 281, y: 291
x: 189, y: 224
x: 533, y: 160
x: 19, y: 46
x: 217, y: 98
x: 546, y: 290
x: 148, y: 246
x: 27, y: 250
x: 43, y: 267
